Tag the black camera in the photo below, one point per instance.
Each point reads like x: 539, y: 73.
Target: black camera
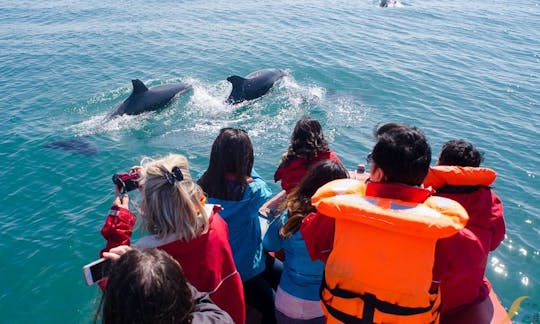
x: 126, y: 181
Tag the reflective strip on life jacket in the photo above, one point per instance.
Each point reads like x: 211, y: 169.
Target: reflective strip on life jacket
x: 436, y: 217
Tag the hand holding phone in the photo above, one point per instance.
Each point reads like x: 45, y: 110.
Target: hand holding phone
x: 96, y: 271
x: 99, y: 269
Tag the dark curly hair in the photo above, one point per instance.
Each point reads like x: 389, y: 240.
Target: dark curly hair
x: 307, y: 140
x: 460, y: 153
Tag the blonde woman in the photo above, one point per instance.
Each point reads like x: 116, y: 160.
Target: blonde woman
x: 176, y: 219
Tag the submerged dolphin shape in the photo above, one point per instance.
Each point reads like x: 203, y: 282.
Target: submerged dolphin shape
x: 143, y: 99
x: 254, y: 85
x: 78, y: 145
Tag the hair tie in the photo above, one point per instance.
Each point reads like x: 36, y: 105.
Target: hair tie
x: 176, y: 175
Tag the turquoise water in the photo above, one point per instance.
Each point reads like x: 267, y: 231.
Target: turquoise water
x: 456, y: 69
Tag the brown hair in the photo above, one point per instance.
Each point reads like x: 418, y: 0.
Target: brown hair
x: 298, y: 202
x: 232, y: 155
x: 307, y: 140
x: 147, y: 286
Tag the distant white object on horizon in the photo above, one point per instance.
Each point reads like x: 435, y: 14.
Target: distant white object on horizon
x: 389, y: 3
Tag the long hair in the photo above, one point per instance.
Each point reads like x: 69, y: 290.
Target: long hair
x: 231, y: 161
x: 146, y: 286
x: 298, y: 202
x: 172, y: 208
x: 307, y: 140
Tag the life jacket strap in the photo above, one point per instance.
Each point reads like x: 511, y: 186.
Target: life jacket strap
x: 371, y: 303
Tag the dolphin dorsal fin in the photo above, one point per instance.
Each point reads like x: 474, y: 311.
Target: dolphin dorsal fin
x: 138, y: 86
x: 236, y: 80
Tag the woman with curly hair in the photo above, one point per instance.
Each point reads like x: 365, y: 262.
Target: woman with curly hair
x: 308, y: 146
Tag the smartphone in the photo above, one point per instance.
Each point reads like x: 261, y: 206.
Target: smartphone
x: 97, y: 270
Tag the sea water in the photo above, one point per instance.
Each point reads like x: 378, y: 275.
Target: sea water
x: 454, y: 68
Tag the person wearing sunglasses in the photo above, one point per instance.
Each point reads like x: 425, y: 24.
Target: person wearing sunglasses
x: 378, y: 239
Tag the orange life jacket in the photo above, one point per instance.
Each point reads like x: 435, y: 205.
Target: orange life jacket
x: 380, y: 267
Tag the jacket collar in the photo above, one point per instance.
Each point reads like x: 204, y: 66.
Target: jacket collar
x: 398, y: 191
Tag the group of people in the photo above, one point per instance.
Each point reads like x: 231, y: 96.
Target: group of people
x: 407, y: 242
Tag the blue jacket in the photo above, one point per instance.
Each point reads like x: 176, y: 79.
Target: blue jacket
x: 242, y: 217
x: 301, y: 276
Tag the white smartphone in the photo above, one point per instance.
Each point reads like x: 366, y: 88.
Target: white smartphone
x: 97, y: 270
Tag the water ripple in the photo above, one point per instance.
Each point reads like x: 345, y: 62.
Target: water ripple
x: 457, y: 69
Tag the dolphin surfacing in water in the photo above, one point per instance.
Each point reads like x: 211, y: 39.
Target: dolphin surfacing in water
x: 254, y: 85
x: 143, y: 99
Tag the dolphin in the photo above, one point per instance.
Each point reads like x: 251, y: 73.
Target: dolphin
x: 254, y: 85
x: 143, y: 99
x: 78, y: 145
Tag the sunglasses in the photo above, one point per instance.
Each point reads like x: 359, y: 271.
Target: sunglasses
x: 369, y: 158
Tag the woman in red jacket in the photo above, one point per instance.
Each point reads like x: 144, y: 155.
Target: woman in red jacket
x: 177, y: 220
x: 308, y: 146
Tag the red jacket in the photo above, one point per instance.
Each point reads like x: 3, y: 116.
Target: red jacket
x: 291, y: 172
x: 470, y: 187
x: 206, y: 260
x: 460, y: 261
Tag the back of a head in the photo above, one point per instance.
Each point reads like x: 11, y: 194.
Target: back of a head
x: 460, y: 153
x: 170, y: 200
x: 154, y: 168
x: 147, y: 286
x: 379, y: 130
x: 307, y: 138
x: 232, y: 154
x: 403, y: 153
x: 320, y: 174
x: 298, y: 201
